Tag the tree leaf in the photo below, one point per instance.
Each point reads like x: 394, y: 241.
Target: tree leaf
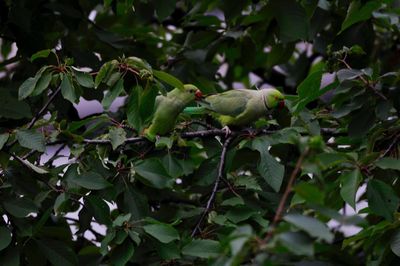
x: 292, y: 20
x: 271, y: 170
x: 11, y: 108
x: 37, y: 169
x: 310, y: 192
x: 164, y: 233
x: 312, y: 226
x: 348, y: 74
x: 117, y: 136
x: 350, y: 182
x: 121, y: 254
x: 67, y: 89
x: 42, y: 84
x: 40, y: 54
x: 164, y: 8
x: 5, y: 237
x: 169, y: 79
x: 20, y: 207
x: 3, y: 139
x: 388, y: 163
x: 98, y: 208
x: 84, y: 79
x: 395, y: 243
x: 154, y: 174
x: 358, y: 13
x: 298, y: 243
x: 202, y: 248
x: 112, y: 94
x: 382, y: 200
x: 90, y: 180
x: 31, y: 139
x: 104, y: 73
x: 57, y: 252
x: 26, y: 88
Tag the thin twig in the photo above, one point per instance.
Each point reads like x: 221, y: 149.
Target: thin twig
x: 390, y: 146
x: 216, y: 184
x: 282, y: 202
x: 44, y: 108
x: 366, y: 82
x: 9, y: 61
x: 107, y: 141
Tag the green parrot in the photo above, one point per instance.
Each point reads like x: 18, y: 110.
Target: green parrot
x: 240, y: 107
x: 168, y: 108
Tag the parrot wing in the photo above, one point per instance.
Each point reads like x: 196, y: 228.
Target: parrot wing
x: 230, y: 103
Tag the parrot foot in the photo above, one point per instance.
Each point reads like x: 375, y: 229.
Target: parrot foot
x: 227, y: 131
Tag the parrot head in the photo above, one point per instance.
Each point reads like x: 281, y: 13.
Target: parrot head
x: 193, y: 90
x: 274, y: 98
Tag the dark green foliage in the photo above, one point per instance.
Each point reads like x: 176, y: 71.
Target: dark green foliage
x: 288, y: 185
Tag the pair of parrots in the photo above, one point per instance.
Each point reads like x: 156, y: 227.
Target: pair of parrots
x: 231, y: 108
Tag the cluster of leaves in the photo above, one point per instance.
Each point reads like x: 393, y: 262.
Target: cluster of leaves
x: 90, y: 190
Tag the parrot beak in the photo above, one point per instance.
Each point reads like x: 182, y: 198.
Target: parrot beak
x: 198, y: 94
x: 281, y: 105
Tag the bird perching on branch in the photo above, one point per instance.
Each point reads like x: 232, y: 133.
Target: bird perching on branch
x: 239, y: 107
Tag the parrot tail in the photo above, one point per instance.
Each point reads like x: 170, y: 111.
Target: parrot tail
x: 195, y: 110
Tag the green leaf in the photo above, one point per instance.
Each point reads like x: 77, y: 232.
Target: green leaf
x: 57, y: 252
x: 169, y: 79
x: 90, y: 180
x: 5, y: 237
x: 31, y: 139
x: 37, y: 169
x: 121, y: 219
x: 112, y: 94
x: 104, y: 73
x: 348, y: 74
x: 11, y: 107
x: 358, y: 13
x: 292, y: 20
x: 67, y: 89
x: 382, y: 200
x: 298, y: 243
x: 40, y: 54
x: 20, y: 207
x: 309, y: 90
x: 271, y: 170
x: 312, y: 226
x: 164, y: 233
x: 117, y: 136
x: 202, y: 248
x: 310, y: 192
x: 388, y: 163
x: 164, y: 8
x: 154, y: 174
x: 233, y: 202
x: 121, y: 254
x: 362, y: 121
x: 395, y: 243
x: 84, y: 79
x: 350, y: 182
x: 26, y: 88
x: 3, y: 139
x: 99, y: 209
x: 42, y: 84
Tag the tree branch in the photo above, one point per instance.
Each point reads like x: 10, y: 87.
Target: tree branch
x: 44, y: 108
x: 9, y: 61
x: 216, y: 184
x: 282, y: 202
